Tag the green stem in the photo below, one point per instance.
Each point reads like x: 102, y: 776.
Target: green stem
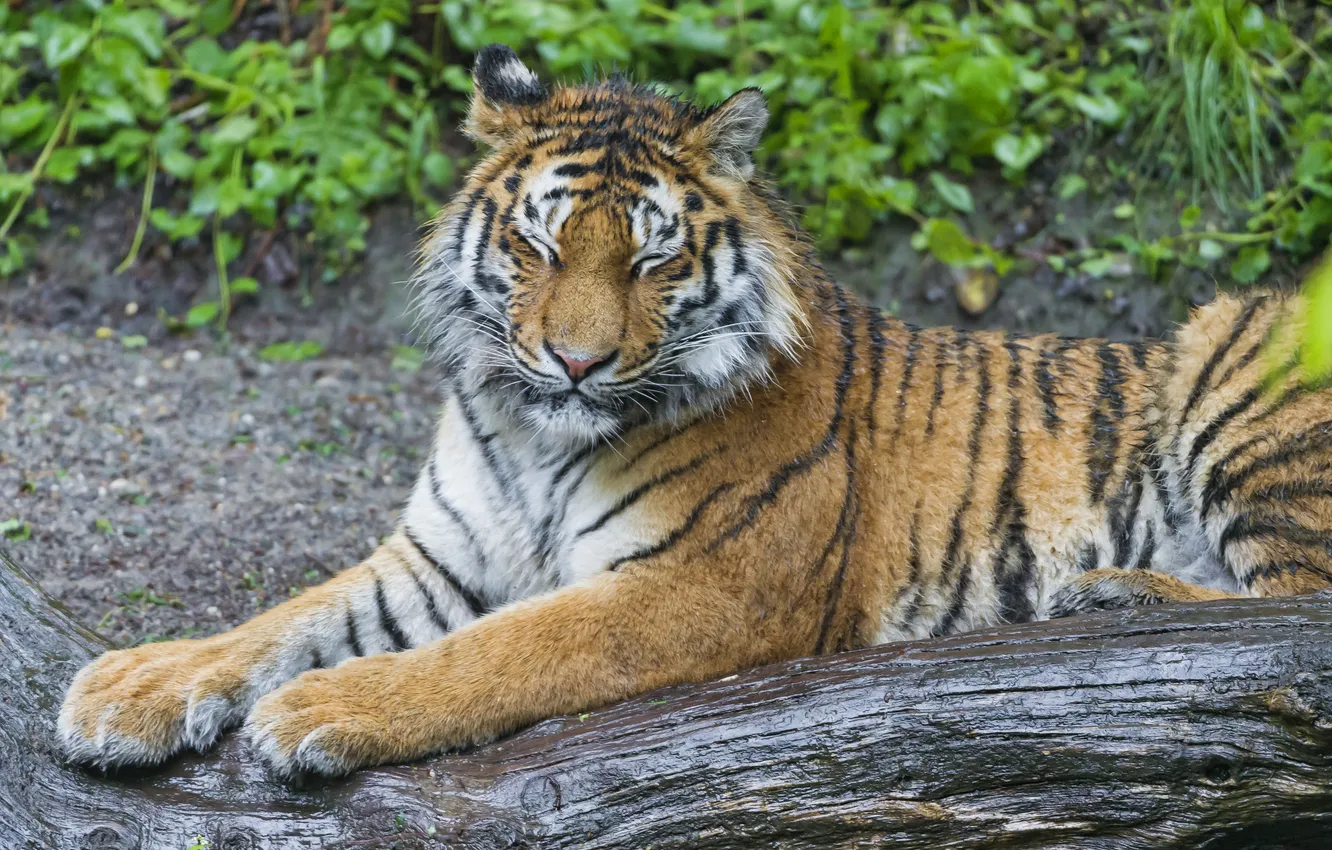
x: 143, y: 215
x: 223, y: 285
x: 1233, y: 238
x: 39, y: 166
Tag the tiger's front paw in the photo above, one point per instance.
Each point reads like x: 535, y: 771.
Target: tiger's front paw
x: 139, y: 706
x: 331, y: 722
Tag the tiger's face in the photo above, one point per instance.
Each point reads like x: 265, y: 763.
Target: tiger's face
x: 609, y: 262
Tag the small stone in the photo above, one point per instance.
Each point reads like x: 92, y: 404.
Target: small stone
x: 169, y: 363
x: 120, y: 485
x: 62, y: 359
x: 104, y: 333
x: 192, y: 356
x: 247, y: 420
x: 213, y: 611
x: 141, y: 381
x: 132, y: 308
x: 372, y: 542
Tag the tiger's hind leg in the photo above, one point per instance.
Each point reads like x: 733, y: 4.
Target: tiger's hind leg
x: 1108, y: 588
x: 1252, y: 454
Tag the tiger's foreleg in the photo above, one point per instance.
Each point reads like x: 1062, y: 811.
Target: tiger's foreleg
x: 571, y: 650
x: 140, y: 705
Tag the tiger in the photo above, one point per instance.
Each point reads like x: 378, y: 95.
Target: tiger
x: 670, y: 448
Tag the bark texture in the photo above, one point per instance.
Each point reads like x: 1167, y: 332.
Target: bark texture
x: 1170, y: 727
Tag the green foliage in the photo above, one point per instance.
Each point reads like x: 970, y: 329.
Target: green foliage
x: 291, y: 352
x: 15, y: 529
x: 879, y: 109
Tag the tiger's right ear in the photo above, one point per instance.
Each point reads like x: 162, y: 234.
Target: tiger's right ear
x: 502, y: 86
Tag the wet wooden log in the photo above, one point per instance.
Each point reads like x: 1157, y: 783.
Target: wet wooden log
x: 1175, y: 726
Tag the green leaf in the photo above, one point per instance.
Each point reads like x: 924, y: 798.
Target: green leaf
x: 377, y: 39
x: 1072, y: 185
x: 177, y: 164
x: 1101, y: 107
x: 244, y: 286
x: 948, y: 243
x: 201, y: 314
x: 1210, y: 250
x: 1097, y: 266
x: 1316, y: 344
x: 437, y: 168
x: 235, y: 130
x: 23, y: 117
x: 1190, y: 216
x: 1125, y: 211
x: 141, y: 26
x: 901, y: 195
x: 64, y: 44
x: 64, y: 163
x: 1018, y: 153
x: 290, y: 352
x: 205, y: 56
x: 955, y: 195
x: 133, y: 341
x: 15, y: 529
x: 182, y: 227
x: 1252, y: 261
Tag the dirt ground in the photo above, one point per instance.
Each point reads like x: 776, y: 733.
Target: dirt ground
x: 179, y: 488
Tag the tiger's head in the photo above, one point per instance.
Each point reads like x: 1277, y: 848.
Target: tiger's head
x: 612, y: 260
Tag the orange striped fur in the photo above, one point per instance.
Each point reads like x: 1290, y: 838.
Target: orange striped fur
x: 672, y: 448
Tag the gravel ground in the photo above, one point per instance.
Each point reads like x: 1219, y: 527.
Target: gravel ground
x: 179, y: 489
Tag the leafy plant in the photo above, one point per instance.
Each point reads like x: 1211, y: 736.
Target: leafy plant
x: 879, y: 110
x: 15, y: 529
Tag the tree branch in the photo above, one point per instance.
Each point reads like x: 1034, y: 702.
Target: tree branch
x: 1164, y: 727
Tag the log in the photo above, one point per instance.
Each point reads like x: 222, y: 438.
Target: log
x: 1176, y: 726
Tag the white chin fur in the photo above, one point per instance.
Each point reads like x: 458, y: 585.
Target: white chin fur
x: 568, y: 421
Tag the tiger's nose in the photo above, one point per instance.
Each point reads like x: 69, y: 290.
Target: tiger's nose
x: 577, y: 365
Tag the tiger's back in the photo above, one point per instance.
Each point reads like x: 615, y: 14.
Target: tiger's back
x: 672, y: 448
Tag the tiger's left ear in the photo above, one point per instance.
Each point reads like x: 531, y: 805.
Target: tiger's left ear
x: 502, y: 86
x: 732, y: 131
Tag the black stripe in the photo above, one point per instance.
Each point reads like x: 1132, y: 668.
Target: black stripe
x: 913, y: 347
x: 1209, y: 434
x: 1289, y: 490
x: 1089, y: 557
x: 1148, y: 549
x: 878, y: 342
x: 941, y: 353
x: 493, y: 461
x: 316, y: 660
x: 913, y: 567
x: 677, y: 534
x: 778, y: 481
x: 470, y: 599
x: 353, y: 636
x: 1204, y: 377
x: 484, y: 278
x: 950, y: 562
x: 437, y: 496
x: 1045, y: 384
x: 1010, y: 515
x: 846, y: 524
x: 1140, y: 350
x: 1315, y: 439
x: 1103, y: 439
x: 387, y: 622
x: 432, y: 609
x: 628, y: 499
x: 959, y: 602
x: 1124, y: 518
x: 1244, y: 527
